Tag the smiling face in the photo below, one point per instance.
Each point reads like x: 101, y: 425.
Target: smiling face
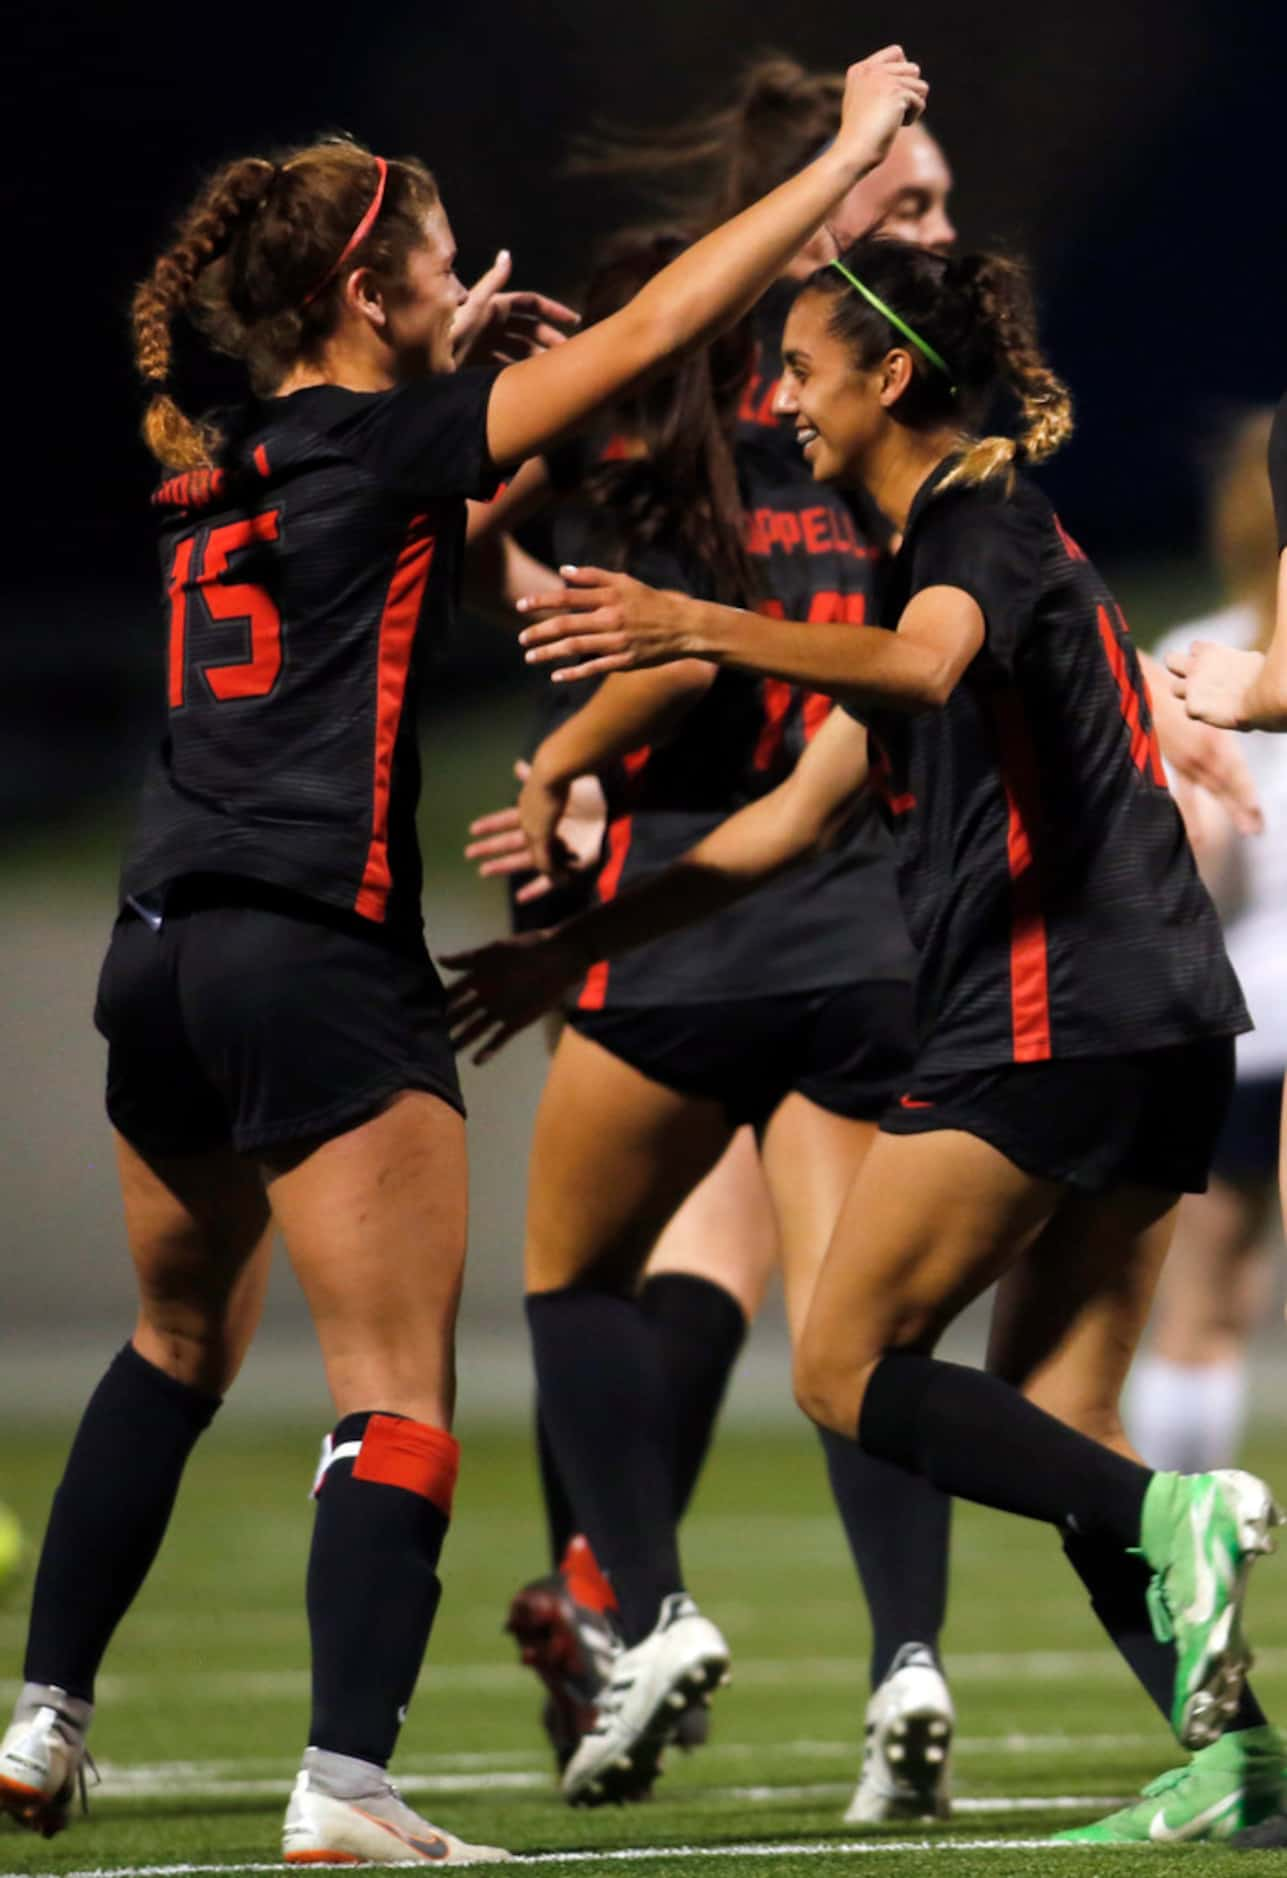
x: 838, y: 408
x: 420, y: 307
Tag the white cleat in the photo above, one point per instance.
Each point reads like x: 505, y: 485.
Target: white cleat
x: 42, y: 1759
x: 650, y: 1688
x: 377, y: 1828
x: 908, y: 1751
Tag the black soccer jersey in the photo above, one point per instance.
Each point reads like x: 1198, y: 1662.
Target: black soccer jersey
x: 835, y: 918
x: 1278, y: 470
x: 302, y: 577
x: 1047, y: 880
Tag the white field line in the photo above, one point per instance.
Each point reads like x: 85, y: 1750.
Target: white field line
x: 984, y: 1666
x: 632, y: 1855
x: 178, y: 1782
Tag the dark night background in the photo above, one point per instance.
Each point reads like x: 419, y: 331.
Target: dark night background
x: 1133, y: 150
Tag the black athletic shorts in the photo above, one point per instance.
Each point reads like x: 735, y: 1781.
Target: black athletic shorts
x: 847, y: 1048
x: 1248, y: 1146
x: 1150, y: 1119
x: 258, y: 1017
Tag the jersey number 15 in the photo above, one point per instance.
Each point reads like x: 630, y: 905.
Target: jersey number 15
x: 229, y: 603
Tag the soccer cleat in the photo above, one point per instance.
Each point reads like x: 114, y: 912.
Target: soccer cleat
x: 1269, y: 1836
x: 1201, y: 1533
x: 1235, y: 1783
x: 564, y: 1631
x: 676, y: 1667
x: 42, y: 1762
x: 375, y: 1828
x: 907, y: 1756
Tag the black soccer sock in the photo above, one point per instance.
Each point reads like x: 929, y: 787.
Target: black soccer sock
x: 1118, y: 1583
x: 383, y: 1507
x: 898, y: 1526
x: 109, y: 1516
x: 976, y: 1437
x: 602, y: 1390
x: 560, y: 1519
x: 700, y: 1328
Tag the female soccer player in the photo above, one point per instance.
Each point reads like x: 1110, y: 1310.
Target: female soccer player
x: 1076, y: 1006
x: 1186, y: 1398
x: 277, y: 1047
x: 1229, y: 685
x: 707, y: 1275
x: 666, y: 1055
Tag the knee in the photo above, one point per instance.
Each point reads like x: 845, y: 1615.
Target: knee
x: 829, y: 1384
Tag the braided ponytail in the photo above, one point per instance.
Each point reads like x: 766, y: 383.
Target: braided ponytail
x: 1005, y: 320
x: 177, y: 440
x: 255, y: 267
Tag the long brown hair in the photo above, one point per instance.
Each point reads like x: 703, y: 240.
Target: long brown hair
x: 683, y: 486
x: 707, y: 168
x: 977, y: 312
x: 248, y: 267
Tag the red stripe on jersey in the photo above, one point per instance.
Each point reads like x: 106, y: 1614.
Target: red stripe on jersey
x: 261, y: 460
x: 1146, y: 752
x: 1071, y: 548
x: 398, y: 624
x: 594, y: 991
x: 1029, y: 960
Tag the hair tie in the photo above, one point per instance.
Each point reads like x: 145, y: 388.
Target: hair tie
x: 358, y: 236
x: 922, y: 345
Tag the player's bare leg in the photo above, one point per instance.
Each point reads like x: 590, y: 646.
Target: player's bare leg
x: 374, y: 1221
x: 613, y: 1156
x: 198, y: 1232
x: 897, y: 1525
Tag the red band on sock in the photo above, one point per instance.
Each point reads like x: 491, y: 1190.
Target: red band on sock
x: 401, y: 1453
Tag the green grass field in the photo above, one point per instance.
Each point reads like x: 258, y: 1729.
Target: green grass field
x: 203, y: 1707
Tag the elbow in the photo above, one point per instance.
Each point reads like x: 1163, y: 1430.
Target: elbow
x: 934, y: 687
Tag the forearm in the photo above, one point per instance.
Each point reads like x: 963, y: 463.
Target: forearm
x: 1267, y: 702
x: 862, y: 664
x: 626, y: 712
x: 748, y: 849
x: 717, y: 280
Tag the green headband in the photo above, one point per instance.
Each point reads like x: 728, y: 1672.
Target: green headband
x: 922, y: 345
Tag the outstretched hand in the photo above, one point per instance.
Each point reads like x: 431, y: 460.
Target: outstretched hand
x: 605, y: 622
x: 505, y: 986
x: 499, y: 845
x: 496, y: 327
x: 1217, y: 683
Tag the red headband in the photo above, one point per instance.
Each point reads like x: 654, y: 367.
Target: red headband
x: 358, y: 236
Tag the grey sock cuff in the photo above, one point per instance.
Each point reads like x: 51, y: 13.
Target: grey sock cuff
x: 343, y: 1776
x: 72, y: 1708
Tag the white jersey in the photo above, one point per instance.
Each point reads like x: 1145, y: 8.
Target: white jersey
x: 1253, y: 898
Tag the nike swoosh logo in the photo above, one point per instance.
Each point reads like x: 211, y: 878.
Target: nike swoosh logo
x: 1162, y: 1834
x: 434, y: 1848
x: 910, y: 1102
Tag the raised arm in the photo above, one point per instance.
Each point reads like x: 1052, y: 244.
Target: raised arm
x: 497, y: 569
x: 712, y: 283
x: 508, y: 984
x: 612, y: 623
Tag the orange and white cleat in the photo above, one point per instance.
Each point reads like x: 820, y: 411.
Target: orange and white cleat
x: 371, y: 1828
x: 42, y: 1763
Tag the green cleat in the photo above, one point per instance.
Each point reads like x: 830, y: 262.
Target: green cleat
x: 1236, y: 1782
x: 1201, y: 1534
